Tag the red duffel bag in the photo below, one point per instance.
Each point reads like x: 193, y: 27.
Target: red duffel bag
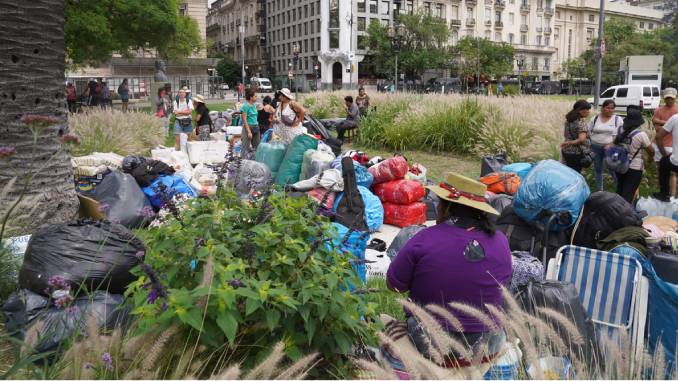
x: 390, y: 169
x: 404, y: 215
x: 400, y: 191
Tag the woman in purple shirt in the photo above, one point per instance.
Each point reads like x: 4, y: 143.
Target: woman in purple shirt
x: 461, y: 259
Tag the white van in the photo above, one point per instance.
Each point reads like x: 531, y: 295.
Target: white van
x: 261, y: 84
x: 646, y: 96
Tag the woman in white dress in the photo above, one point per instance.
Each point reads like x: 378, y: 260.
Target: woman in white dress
x: 288, y: 118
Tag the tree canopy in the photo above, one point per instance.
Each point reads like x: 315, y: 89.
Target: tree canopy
x: 95, y: 29
x: 493, y: 59
x: 229, y: 70
x: 423, y: 44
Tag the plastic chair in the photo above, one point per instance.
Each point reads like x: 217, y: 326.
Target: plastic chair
x: 611, y: 289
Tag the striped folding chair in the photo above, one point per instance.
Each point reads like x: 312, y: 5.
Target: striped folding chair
x: 611, y: 289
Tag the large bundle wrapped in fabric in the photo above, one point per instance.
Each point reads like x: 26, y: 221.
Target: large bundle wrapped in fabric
x: 253, y: 176
x: 290, y: 169
x: 551, y: 188
x: 400, y: 191
x: 173, y: 186
x: 272, y: 155
x: 120, y: 199
x: 374, y: 211
x: 331, y: 179
x: 390, y: 169
x: 57, y: 326
x: 520, y: 169
x: 604, y: 213
x: 363, y: 177
x: 92, y: 255
x: 315, y: 162
x: 404, y: 215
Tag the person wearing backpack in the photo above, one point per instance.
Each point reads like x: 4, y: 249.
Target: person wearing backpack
x: 576, y: 149
x: 603, y: 129
x: 624, y: 156
x: 669, y: 161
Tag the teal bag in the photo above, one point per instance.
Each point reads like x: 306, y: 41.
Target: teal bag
x: 271, y: 154
x: 290, y: 169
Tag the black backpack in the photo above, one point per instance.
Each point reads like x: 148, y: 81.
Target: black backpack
x: 351, y: 209
x: 489, y: 164
x: 525, y: 237
x: 604, y: 213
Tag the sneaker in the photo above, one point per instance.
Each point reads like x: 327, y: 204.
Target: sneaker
x: 661, y: 197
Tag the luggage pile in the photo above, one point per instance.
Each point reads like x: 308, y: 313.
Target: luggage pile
x: 401, y: 198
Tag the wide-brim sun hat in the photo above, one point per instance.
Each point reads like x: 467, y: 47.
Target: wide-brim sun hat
x: 464, y: 191
x: 285, y: 92
x: 198, y: 98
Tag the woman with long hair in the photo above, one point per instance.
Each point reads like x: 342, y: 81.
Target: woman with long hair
x: 633, y: 140
x: 461, y: 259
x: 603, y: 129
x: 576, y: 149
x: 183, y: 119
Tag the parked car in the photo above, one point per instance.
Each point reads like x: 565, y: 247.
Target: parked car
x: 645, y: 96
x: 224, y: 86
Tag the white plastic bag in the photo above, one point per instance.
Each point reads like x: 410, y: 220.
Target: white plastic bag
x: 163, y: 154
x: 379, y: 265
x: 204, y: 176
x: 203, y: 190
x: 331, y: 179
x: 421, y: 177
x: 183, y: 140
x: 182, y: 165
x: 654, y: 207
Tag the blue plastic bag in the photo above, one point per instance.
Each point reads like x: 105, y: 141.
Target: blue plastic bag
x: 374, y: 211
x: 520, y: 169
x: 550, y: 188
x: 355, y: 245
x: 362, y: 176
x: 175, y: 184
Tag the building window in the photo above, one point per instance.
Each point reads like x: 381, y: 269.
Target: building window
x: 650, y: 25
x: 523, y: 39
x: 306, y: 45
x: 547, y: 63
x: 362, y: 25
x: 455, y: 37
x: 512, y: 1
x: 523, y: 19
x: 469, y: 13
x: 306, y: 10
x: 512, y: 18
x: 497, y: 16
x: 362, y: 4
x: 547, y: 41
x: 540, y: 21
x: 384, y: 22
x: 557, y: 14
x: 305, y: 28
x: 556, y: 33
x: 497, y: 37
x: 589, y: 34
x: 183, y: 8
x: 510, y: 38
x: 537, y: 40
x: 488, y: 14
x: 427, y: 8
x: 440, y: 11
x: 334, y: 13
x: 334, y: 39
x: 592, y: 18
x: 454, y: 12
x: 373, y: 6
x: 642, y: 25
x: 385, y: 8
x: 409, y: 6
x: 488, y: 35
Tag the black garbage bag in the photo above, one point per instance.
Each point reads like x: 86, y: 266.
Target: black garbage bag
x: 56, y: 326
x: 404, y: 235
x: 431, y: 200
x: 564, y: 298
x: 121, y: 200
x: 489, y: 164
x: 351, y: 209
x: 604, y: 213
x: 94, y: 255
x: 145, y: 171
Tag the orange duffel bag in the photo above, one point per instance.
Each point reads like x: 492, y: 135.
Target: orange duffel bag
x: 501, y: 182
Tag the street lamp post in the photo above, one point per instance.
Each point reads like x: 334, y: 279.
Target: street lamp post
x: 296, y: 49
x: 520, y: 61
x: 289, y: 75
x: 316, y: 68
x: 396, y: 34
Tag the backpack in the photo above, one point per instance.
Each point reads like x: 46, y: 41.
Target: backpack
x: 617, y: 156
x: 525, y: 237
x: 350, y: 210
x: 501, y: 182
x: 603, y: 213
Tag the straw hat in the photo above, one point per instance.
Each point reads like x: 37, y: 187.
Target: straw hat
x: 463, y: 190
x: 287, y: 93
x: 198, y: 98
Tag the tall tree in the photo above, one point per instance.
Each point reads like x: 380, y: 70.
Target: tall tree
x: 229, y: 70
x: 96, y: 28
x: 32, y: 83
x: 423, y: 44
x: 491, y: 59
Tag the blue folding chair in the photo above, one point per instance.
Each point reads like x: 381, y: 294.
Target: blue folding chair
x: 611, y: 289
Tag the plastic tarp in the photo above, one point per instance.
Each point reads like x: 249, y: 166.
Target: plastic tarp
x: 174, y: 185
x: 355, y: 245
x: 404, y: 215
x: 120, y: 199
x: 93, y: 255
x: 551, y: 187
x: 520, y: 169
x: 315, y: 162
x: 404, y: 235
x: 330, y: 179
x: 290, y: 169
x: 272, y: 155
x: 654, y: 207
x: 363, y: 177
x: 400, y: 191
x: 253, y: 176
x: 374, y: 212
x: 393, y: 168
x: 57, y: 326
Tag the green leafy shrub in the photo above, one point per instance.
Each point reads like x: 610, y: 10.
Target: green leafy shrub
x: 500, y: 135
x: 131, y: 133
x: 373, y: 127
x: 262, y: 275
x: 9, y: 271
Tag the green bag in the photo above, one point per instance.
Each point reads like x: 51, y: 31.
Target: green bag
x: 289, y: 170
x: 271, y: 154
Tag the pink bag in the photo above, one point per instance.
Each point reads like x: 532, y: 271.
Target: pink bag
x: 390, y: 169
x: 400, y: 191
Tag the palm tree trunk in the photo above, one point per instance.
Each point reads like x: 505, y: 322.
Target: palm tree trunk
x: 32, y: 61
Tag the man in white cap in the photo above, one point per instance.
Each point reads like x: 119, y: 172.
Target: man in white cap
x: 661, y: 116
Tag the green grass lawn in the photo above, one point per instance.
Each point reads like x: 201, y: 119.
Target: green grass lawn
x: 385, y: 299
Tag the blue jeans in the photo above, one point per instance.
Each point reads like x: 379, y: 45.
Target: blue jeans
x: 598, y: 161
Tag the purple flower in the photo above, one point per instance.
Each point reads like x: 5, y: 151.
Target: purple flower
x: 39, y: 121
x: 140, y: 255
x: 63, y: 301
x: 107, y: 360
x: 6, y: 152
x: 57, y: 282
x: 235, y: 283
x: 152, y: 296
x: 73, y: 310
x: 146, y: 211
